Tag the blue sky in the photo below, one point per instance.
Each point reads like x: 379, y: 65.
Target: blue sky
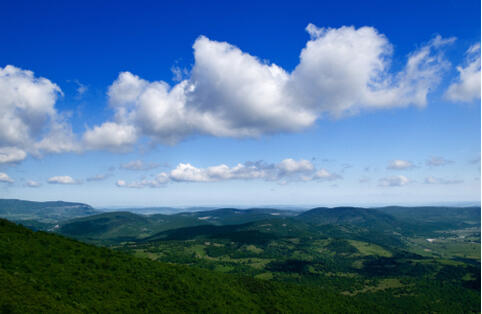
x: 185, y: 104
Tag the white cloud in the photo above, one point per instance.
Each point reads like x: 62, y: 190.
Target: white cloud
x: 393, y: 181
x: 400, y: 165
x: 290, y: 165
x: 325, y: 175
x: 29, y: 121
x: 437, y: 161
x: 62, y: 180
x: 32, y: 184
x: 178, y: 74
x: 189, y: 173
x: 81, y: 88
x: 364, y: 179
x: 433, y: 180
x: 11, y: 154
x: 5, y: 178
x: 467, y: 86
x: 59, y: 139
x: 230, y: 93
x: 160, y: 180
x: 283, y: 172
x: 26, y: 105
x: 138, y: 165
x: 346, y: 69
x: 286, y: 169
x: 99, y: 177
x: 110, y: 136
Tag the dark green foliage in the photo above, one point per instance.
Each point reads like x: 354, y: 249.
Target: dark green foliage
x: 43, y: 272
x: 122, y: 226
x: 289, y: 266
x: 341, y: 247
x: 424, y: 220
x: 381, y: 269
x: 325, y: 260
x: 234, y: 216
x: 430, y: 214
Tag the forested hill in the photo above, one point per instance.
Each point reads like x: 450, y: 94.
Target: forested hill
x: 20, y: 210
x: 42, y: 272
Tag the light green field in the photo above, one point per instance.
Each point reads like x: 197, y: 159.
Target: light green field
x: 254, y: 249
x: 366, y: 249
x: 383, y: 284
x: 446, y: 248
x: 265, y: 276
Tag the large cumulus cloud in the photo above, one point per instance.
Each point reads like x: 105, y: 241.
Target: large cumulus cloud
x: 230, y: 93
x: 29, y: 121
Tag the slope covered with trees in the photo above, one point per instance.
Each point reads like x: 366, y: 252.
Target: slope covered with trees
x: 42, y: 272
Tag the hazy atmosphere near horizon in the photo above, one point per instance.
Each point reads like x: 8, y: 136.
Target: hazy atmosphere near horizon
x: 247, y: 104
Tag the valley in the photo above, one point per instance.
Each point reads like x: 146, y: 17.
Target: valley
x: 397, y: 258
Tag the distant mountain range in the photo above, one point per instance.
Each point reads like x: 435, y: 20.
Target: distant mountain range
x: 44, y: 212
x: 84, y: 222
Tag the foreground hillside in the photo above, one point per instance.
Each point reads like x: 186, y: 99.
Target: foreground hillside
x: 43, y: 272
x: 342, y: 259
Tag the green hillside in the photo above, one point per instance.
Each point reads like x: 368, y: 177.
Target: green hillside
x: 115, y: 227
x: 433, y: 217
x: 365, y: 217
x: 234, y: 216
x: 44, y: 212
x: 324, y: 260
x: 123, y: 226
x: 398, y: 270
x: 47, y: 273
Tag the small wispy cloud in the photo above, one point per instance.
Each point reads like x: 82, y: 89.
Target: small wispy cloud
x: 475, y: 160
x: 81, y: 88
x: 435, y: 161
x: 178, y: 74
x: 393, y: 181
x: 400, y: 165
x: 63, y: 180
x: 159, y: 181
x: 288, y: 170
x: 11, y: 155
x: 467, y: 86
x: 364, y: 179
x: 345, y: 167
x: 139, y: 165
x: 99, y: 177
x: 5, y: 178
x: 433, y: 180
x: 32, y: 184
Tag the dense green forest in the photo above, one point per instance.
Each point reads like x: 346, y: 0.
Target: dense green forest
x: 42, y: 272
x: 346, y: 259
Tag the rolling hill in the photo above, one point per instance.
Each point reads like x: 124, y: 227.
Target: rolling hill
x: 234, y: 216
x: 123, y: 226
x: 455, y: 216
x: 44, y: 212
x: 344, y: 259
x: 362, y: 217
x: 43, y: 272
